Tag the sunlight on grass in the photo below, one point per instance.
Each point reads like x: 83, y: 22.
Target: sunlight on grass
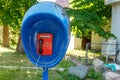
x: 3, y: 49
x: 82, y: 53
x: 14, y: 59
x: 19, y: 74
x: 77, y: 53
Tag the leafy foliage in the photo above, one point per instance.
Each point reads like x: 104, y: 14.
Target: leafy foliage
x: 12, y: 11
x: 94, y: 75
x: 11, y: 14
x: 67, y: 76
x: 89, y: 15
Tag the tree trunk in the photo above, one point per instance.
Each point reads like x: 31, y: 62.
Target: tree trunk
x: 19, y: 46
x: 84, y: 41
x: 5, y: 36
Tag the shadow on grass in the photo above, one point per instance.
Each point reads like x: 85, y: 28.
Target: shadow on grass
x: 14, y: 59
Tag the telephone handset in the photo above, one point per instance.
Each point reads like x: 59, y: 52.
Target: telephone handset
x: 40, y: 48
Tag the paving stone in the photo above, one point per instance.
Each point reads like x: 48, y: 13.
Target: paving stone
x: 79, y: 71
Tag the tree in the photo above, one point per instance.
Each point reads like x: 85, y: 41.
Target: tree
x: 89, y: 15
x: 8, y: 8
x: 12, y: 12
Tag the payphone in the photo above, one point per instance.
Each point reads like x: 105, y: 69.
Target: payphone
x: 45, y: 35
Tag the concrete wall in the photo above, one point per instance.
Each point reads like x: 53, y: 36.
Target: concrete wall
x: 115, y: 26
x: 96, y: 40
x: 63, y: 3
x: 71, y: 44
x: 107, y: 2
x: 75, y: 43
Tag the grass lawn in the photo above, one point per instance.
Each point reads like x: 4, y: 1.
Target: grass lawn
x: 8, y: 57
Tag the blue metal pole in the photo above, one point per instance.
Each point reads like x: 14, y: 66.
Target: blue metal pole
x: 45, y: 74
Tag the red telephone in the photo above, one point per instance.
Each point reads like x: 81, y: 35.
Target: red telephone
x: 44, y: 44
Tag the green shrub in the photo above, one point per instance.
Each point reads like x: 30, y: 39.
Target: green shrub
x: 94, y: 75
